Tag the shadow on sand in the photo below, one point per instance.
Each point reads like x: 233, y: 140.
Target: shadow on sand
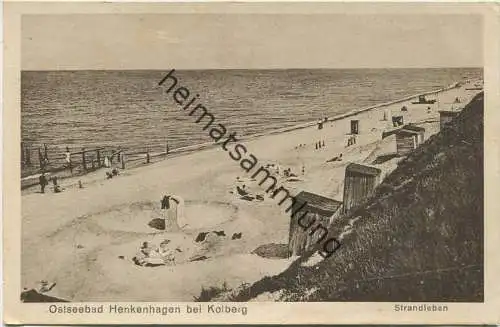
x: 383, y: 158
x: 157, y: 223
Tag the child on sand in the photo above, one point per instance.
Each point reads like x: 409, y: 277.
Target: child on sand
x: 43, y: 182
x: 57, y: 188
x: 107, y: 163
x: 165, y: 206
x: 67, y: 158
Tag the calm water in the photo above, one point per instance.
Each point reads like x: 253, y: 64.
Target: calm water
x: 128, y: 109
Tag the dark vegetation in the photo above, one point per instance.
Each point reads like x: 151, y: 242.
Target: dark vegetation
x: 420, y: 238
x: 32, y: 296
x: 211, y: 292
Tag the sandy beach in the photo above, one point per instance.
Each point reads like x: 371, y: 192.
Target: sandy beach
x: 83, y: 239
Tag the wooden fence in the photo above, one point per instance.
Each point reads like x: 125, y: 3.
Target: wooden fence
x: 53, y: 160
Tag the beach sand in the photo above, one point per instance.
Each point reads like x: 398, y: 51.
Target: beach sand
x: 75, y: 238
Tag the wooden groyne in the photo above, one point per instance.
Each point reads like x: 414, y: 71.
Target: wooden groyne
x: 78, y: 162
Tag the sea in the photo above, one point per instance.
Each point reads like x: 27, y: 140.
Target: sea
x: 128, y: 109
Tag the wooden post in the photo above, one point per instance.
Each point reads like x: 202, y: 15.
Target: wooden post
x: 28, y: 155
x: 93, y: 164
x: 23, y: 159
x: 98, y: 154
x: 123, y: 160
x: 45, y: 151
x: 119, y: 156
x: 84, y: 163
x: 40, y: 157
x: 147, y: 156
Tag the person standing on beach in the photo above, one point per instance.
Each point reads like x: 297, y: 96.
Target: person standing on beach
x: 57, y: 187
x: 107, y: 163
x: 41, y: 159
x: 43, y: 182
x: 165, y: 205
x: 67, y: 158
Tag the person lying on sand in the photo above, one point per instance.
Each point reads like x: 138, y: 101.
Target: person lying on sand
x: 145, y: 248
x: 151, y: 256
x: 45, y: 286
x: 288, y: 173
x: 244, y: 194
x: 337, y: 158
x: 241, y: 190
x: 140, y: 257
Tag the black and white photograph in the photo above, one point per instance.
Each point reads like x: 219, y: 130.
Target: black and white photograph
x: 265, y: 157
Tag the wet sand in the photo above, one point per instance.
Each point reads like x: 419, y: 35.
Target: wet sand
x: 75, y: 238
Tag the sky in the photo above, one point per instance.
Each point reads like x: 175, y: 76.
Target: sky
x: 249, y: 41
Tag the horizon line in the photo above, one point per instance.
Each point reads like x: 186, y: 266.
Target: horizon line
x: 200, y: 69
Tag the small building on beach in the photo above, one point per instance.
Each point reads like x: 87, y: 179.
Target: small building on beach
x: 445, y: 116
x: 311, y: 215
x: 355, y: 126
x: 397, y: 121
x: 406, y: 141
x: 359, y: 183
x: 418, y: 129
x: 387, y: 114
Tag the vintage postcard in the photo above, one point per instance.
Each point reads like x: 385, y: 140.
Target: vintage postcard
x: 251, y: 163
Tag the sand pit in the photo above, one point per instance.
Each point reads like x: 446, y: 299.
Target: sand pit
x: 129, y: 218
x: 139, y: 217
x: 202, y: 215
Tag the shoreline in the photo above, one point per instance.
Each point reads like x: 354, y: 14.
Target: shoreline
x: 186, y: 150
x: 354, y: 112
x: 208, y: 145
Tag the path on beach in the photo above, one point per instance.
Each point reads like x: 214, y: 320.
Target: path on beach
x: 75, y: 238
